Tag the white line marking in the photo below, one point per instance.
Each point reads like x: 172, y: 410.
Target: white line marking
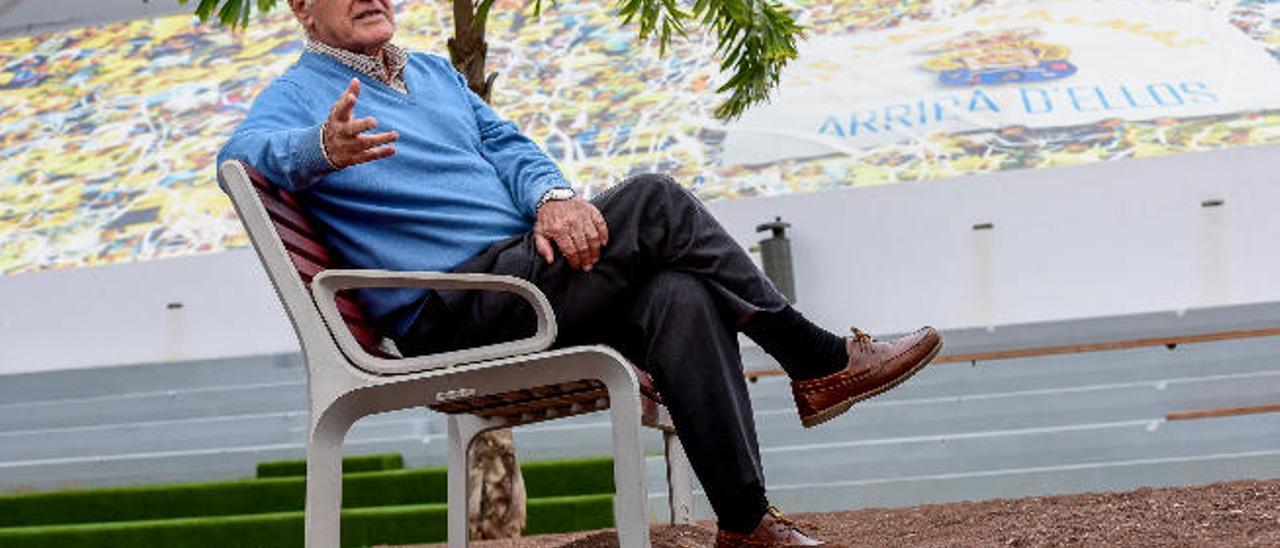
x: 284, y: 415
x: 193, y: 452
x: 379, y: 420
x: 1028, y: 470
x: 1148, y: 424
x: 967, y: 397
x: 1143, y: 423
x: 1004, y: 472
x: 564, y: 427
x: 371, y: 421
x: 1158, y: 384
x: 153, y: 394
x: 548, y: 428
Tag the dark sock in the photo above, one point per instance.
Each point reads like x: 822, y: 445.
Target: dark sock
x: 745, y: 515
x: 804, y: 350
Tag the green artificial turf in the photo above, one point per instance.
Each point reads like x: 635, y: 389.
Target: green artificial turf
x: 271, y: 495
x: 363, y: 463
x: 400, y: 524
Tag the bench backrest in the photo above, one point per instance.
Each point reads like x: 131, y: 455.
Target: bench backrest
x: 304, y: 245
x: 293, y: 252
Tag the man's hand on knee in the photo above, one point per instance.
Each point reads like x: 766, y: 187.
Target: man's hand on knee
x: 577, y: 228
x: 345, y: 141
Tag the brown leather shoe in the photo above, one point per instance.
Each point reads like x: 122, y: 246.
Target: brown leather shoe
x: 874, y: 367
x: 774, y: 531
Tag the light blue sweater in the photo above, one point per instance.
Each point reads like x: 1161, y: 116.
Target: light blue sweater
x: 461, y: 179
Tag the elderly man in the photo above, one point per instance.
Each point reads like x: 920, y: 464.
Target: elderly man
x: 406, y: 169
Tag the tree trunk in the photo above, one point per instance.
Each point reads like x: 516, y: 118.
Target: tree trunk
x: 468, y: 50
x: 497, y: 496
x: 497, y: 508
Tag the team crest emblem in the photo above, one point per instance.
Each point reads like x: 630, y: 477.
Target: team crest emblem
x: 1000, y: 57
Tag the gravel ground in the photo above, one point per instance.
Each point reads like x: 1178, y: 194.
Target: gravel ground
x: 1236, y: 514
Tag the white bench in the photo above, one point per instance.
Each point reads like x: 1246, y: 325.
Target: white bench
x: 495, y: 386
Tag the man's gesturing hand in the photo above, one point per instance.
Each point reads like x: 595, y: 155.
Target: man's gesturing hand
x: 344, y: 140
x: 576, y: 227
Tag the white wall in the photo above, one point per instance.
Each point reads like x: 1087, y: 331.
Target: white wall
x: 120, y: 314
x: 1100, y: 240
x: 1103, y: 239
x: 22, y: 17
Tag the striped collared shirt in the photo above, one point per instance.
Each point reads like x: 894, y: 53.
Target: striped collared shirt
x: 369, y: 65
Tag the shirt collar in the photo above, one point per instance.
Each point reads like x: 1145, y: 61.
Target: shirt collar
x: 368, y: 65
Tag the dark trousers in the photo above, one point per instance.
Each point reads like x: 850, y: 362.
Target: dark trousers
x: 668, y: 293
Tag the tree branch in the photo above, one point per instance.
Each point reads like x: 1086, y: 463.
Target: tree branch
x: 756, y: 38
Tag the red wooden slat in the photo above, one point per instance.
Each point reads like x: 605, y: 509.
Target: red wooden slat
x: 306, y: 267
x: 366, y: 338
x: 289, y: 200
x: 268, y: 195
x: 553, y: 398
x: 257, y: 178
x: 533, y: 406
x: 544, y: 391
x: 309, y: 255
x: 355, y: 318
x: 576, y: 386
x: 518, y: 399
x: 647, y: 388
x: 287, y: 219
x: 358, y: 327
x: 280, y: 204
x: 348, y: 307
x: 304, y: 246
x: 282, y: 214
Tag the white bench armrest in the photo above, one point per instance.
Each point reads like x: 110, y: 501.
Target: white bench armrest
x: 327, y: 284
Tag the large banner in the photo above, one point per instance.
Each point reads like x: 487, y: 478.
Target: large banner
x: 108, y: 134
x: 1032, y: 65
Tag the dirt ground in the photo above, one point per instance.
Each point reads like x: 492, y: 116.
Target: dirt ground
x: 1236, y: 514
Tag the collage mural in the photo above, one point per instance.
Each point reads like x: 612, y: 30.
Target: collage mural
x: 108, y: 134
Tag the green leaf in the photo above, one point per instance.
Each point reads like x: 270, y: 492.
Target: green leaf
x: 755, y: 38
x: 265, y: 6
x: 232, y: 13
x: 204, y: 10
x: 482, y: 13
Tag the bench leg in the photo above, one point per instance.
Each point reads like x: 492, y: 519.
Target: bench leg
x: 324, y: 479
x: 457, y: 474
x: 679, y: 480
x: 631, y: 507
x: 462, y: 430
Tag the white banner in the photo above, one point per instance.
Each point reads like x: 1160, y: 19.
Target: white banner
x: 1041, y: 64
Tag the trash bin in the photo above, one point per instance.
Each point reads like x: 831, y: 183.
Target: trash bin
x: 775, y: 254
